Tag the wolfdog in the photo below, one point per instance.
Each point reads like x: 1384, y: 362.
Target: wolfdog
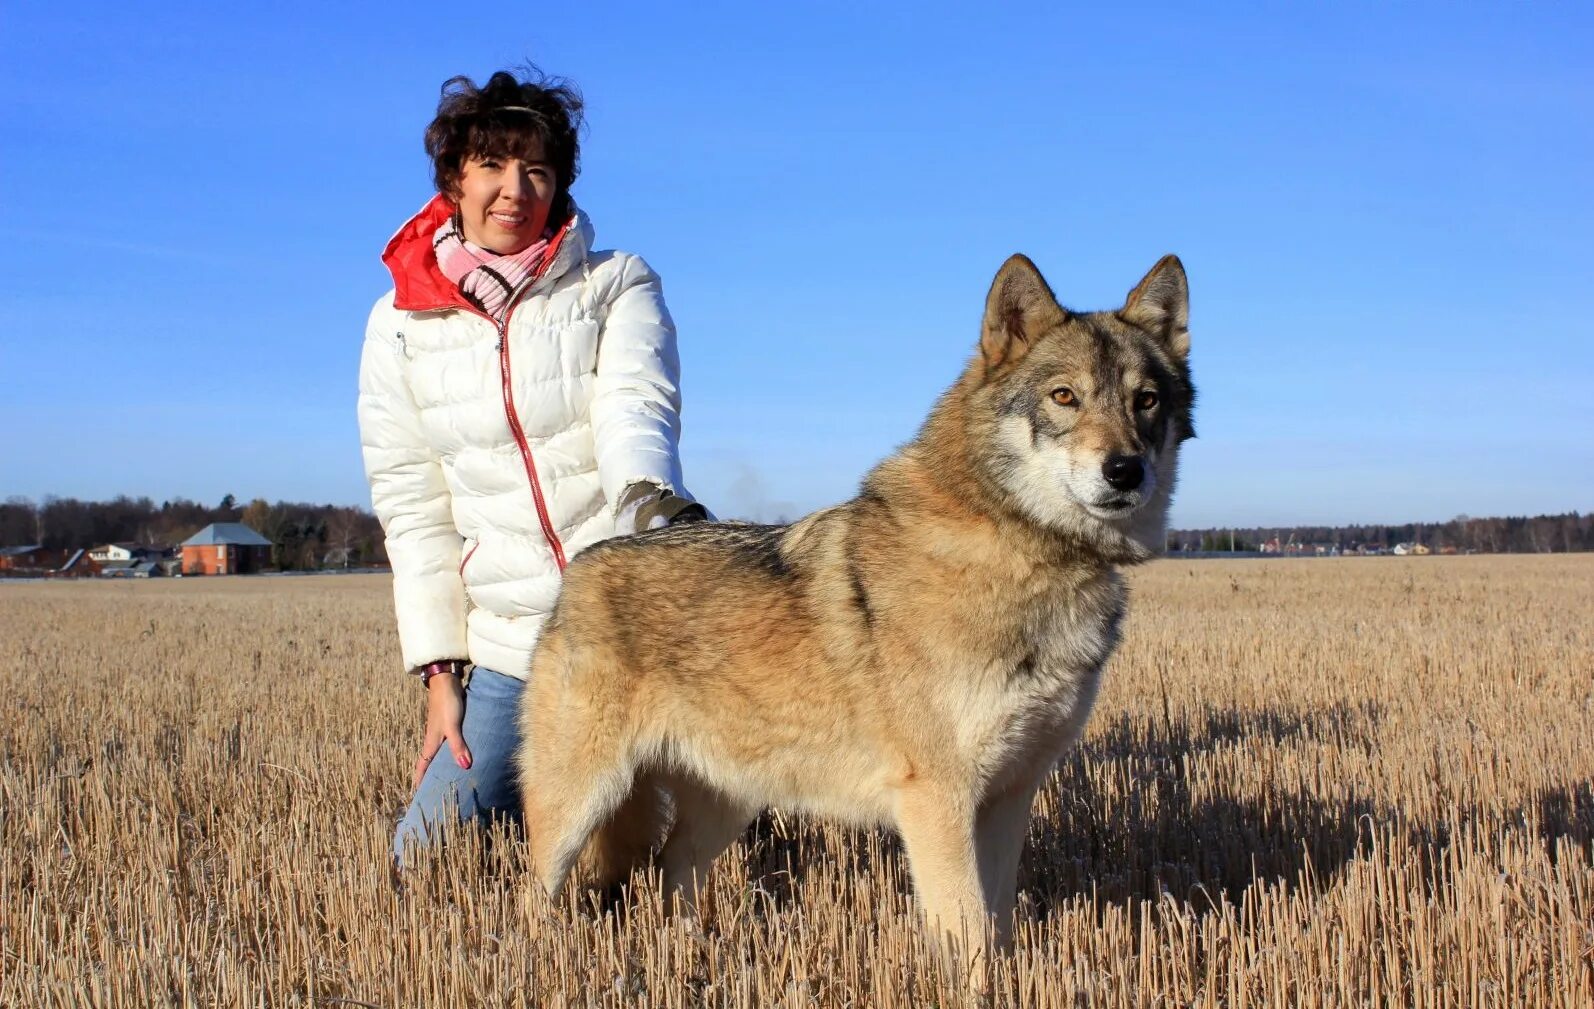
x: 918, y: 656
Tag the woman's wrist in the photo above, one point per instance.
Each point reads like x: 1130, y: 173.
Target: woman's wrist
x: 646, y: 505
x: 442, y: 667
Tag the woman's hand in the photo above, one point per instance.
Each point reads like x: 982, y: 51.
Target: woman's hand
x: 646, y: 505
x: 445, y: 715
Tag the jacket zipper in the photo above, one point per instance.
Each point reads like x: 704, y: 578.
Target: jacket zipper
x: 513, y: 418
x: 520, y: 440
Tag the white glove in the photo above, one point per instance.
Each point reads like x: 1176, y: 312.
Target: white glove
x: 633, y: 503
x: 645, y: 505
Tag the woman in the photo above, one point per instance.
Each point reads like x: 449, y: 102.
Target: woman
x: 519, y: 400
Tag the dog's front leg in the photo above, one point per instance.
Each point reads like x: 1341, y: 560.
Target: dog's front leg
x: 1000, y: 829
x: 937, y: 827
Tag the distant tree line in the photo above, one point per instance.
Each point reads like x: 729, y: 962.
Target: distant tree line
x: 1566, y: 533
x: 306, y: 536
x: 303, y: 536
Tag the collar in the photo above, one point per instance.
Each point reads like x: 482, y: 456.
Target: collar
x: 418, y: 284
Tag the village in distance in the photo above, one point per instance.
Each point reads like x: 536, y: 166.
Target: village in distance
x: 137, y: 538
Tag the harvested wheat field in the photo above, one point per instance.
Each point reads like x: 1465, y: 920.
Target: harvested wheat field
x: 1307, y: 783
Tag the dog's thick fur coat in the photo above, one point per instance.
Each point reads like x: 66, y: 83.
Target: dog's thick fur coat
x: 918, y: 656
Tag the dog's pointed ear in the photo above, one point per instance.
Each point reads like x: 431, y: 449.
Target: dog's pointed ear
x: 1161, y: 304
x: 1019, y: 309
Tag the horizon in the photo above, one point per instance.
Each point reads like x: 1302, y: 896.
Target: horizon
x: 242, y: 505
x: 1382, y: 212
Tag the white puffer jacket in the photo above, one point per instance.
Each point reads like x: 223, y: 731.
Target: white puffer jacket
x: 493, y: 460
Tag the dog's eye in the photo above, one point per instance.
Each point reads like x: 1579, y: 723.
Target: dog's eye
x: 1145, y: 400
x: 1064, y: 396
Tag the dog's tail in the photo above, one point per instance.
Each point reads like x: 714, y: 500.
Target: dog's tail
x: 575, y: 763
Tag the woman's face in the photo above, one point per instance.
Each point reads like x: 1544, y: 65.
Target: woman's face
x: 504, y: 202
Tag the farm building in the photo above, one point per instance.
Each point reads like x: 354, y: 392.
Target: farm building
x: 113, y: 552
x: 130, y: 569
x: 29, y: 559
x: 126, y: 552
x: 225, y: 548
x: 80, y: 565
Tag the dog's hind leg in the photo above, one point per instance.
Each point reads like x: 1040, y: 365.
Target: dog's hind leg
x: 706, y: 822
x: 627, y: 838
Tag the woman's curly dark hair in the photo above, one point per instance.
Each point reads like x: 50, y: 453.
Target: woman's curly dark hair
x: 473, y: 122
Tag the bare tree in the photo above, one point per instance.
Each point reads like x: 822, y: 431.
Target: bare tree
x: 343, y: 528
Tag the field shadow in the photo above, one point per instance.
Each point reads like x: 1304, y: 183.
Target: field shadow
x: 1343, y: 724
x: 1158, y: 837
x: 1563, y: 813
x: 1555, y: 815
x: 1160, y: 840
x: 1155, y: 836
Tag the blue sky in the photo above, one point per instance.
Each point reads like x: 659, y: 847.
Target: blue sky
x: 1385, y: 212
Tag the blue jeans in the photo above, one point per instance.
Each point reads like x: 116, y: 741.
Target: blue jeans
x: 492, y: 731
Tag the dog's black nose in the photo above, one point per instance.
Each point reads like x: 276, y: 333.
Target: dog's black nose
x: 1124, y: 472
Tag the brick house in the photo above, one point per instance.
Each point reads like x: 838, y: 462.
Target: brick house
x: 32, y: 559
x: 225, y: 548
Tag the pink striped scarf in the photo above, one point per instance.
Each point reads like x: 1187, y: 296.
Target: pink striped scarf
x: 486, y: 279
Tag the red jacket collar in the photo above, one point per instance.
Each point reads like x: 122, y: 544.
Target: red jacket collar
x: 418, y: 283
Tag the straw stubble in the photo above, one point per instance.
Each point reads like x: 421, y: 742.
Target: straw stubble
x: 1307, y: 783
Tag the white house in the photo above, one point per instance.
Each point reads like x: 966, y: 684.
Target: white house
x: 114, y: 552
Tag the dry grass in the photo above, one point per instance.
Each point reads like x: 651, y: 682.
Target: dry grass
x: 1336, y: 783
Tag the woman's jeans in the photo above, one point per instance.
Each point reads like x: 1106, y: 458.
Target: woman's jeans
x: 492, y: 731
